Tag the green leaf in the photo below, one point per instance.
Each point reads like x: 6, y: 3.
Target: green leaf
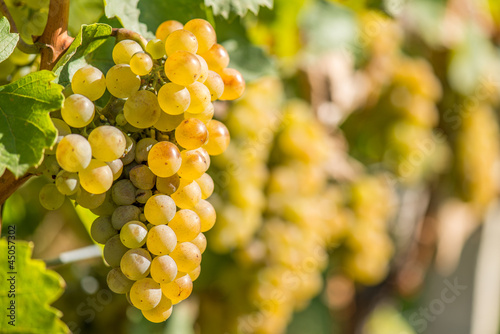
x: 8, y: 41
x: 127, y: 12
x: 251, y: 61
x: 25, y: 125
x: 89, y: 39
x: 239, y: 7
x: 35, y: 289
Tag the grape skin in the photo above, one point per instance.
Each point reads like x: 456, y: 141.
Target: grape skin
x: 183, y: 68
x: 73, y: 153
x: 90, y: 82
x: 78, y: 111
x: 107, y: 143
x: 164, y: 159
x: 50, y: 198
x: 191, y: 133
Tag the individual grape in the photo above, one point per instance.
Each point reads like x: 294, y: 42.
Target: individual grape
x: 161, y: 240
x: 200, y: 98
x: 204, y: 69
x: 205, y: 155
x: 168, y: 185
x: 191, y: 133
x: 163, y: 269
x: 145, y: 294
x: 122, y: 82
x: 128, y: 168
x: 186, y: 225
x: 193, y: 166
x: 181, y: 40
x: 123, y: 193
x: 205, y: 116
x: 133, y: 234
x: 218, y: 138
x: 129, y: 154
x: 142, y: 177
x: 173, y: 99
x: 113, y: 251
x: 135, y: 263
x: 142, y: 109
x: 50, y: 198
x: 106, y: 208
x: 117, y: 282
x: 182, y: 68
x: 187, y: 195
x: 142, y: 195
x: 179, y: 289
x: 90, y: 82
x: 204, y: 32
x: 187, y: 256
x: 234, y: 84
x: 62, y: 130
x: 97, y: 178
x: 116, y: 167
x: 107, y: 143
x: 159, y: 209
x: 201, y: 242
x: 49, y: 167
x: 156, y: 48
x: 195, y: 273
x: 207, y: 214
x: 164, y: 159
x: 77, y: 111
x: 168, y: 122
x: 124, y: 50
x: 102, y: 229
x: 142, y: 149
x: 89, y: 200
x: 124, y: 214
x: 161, y: 312
x: 67, y: 183
x: 215, y: 85
x: 206, y: 184
x: 216, y: 57
x: 166, y: 28
x: 141, y: 63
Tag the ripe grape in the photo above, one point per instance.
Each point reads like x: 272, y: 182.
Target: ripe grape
x: 161, y: 312
x: 207, y: 214
x: 164, y: 159
x: 135, y: 263
x: 194, y: 164
x: 116, y: 167
x: 67, y: 183
x: 77, y: 111
x: 216, y: 57
x: 133, y: 234
x: 168, y: 122
x: 123, y: 192
x: 121, y: 81
x: 142, y: 177
x: 191, y: 133
x: 163, y: 269
x: 142, y: 109
x: 50, y: 198
x: 89, y: 200
x: 215, y: 85
x: 145, y: 294
x: 234, y: 84
x: 107, y: 143
x: 218, y: 138
x: 156, y: 48
x: 97, y: 178
x: 117, y: 282
x: 102, y: 229
x: 204, y: 32
x: 113, y: 251
x: 173, y: 99
x: 201, y: 242
x: 183, y: 68
x: 195, y: 273
x: 185, y: 224
x: 142, y: 149
x: 73, y: 153
x: 181, y: 40
x: 204, y: 69
x: 90, y: 82
x: 205, y: 116
x: 206, y: 184
x: 200, y: 98
x: 166, y: 28
x: 179, y: 289
x: 124, y: 50
x: 159, y: 209
x: 141, y: 63
x: 187, y: 195
x: 161, y: 240
x: 168, y: 185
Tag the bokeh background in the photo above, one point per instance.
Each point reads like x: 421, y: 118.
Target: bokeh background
x: 359, y: 194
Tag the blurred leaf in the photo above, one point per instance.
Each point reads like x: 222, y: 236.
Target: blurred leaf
x: 24, y: 109
x: 356, y: 5
x: 88, y: 40
x: 387, y: 319
x: 239, y: 7
x: 127, y: 12
x: 35, y: 289
x: 83, y: 12
x: 8, y: 41
x: 423, y: 16
x: 87, y: 218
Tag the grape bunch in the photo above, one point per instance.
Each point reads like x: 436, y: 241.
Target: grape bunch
x: 140, y: 162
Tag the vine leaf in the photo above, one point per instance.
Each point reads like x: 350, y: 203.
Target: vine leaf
x: 25, y: 125
x: 239, y: 7
x: 127, y: 12
x: 36, y: 288
x: 8, y: 41
x: 88, y: 40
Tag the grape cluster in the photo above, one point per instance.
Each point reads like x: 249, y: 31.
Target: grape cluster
x: 140, y: 162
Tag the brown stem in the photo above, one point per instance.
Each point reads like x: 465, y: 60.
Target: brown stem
x: 55, y: 34
x: 9, y: 184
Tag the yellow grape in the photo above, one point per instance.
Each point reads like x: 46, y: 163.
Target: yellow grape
x: 168, y: 122
x: 107, y: 142
x: 205, y: 116
x: 204, y: 69
x: 161, y: 240
x: 179, y: 289
x: 187, y: 195
x: 116, y: 167
x: 164, y: 159
x: 218, y: 138
x: 145, y: 294
x: 163, y: 269
x: 180, y: 40
x: 73, y: 153
x: 234, y: 84
x: 215, y: 85
x: 194, y: 274
x: 133, y: 234
x: 191, y: 133
x: 124, y: 50
x: 200, y: 241
x: 136, y: 263
x: 156, y: 48
x: 62, y: 130
x: 207, y: 214
x: 161, y: 312
x: 194, y: 164
x: 89, y: 81
x: 117, y: 282
x: 173, y: 99
x: 97, y: 178
x: 77, y: 111
x: 141, y: 63
x: 206, y: 184
x: 183, y: 68
x: 168, y: 185
x: 166, y: 28
x: 187, y: 256
x: 159, y: 209
x: 142, y: 109
x: 216, y: 57
x: 200, y: 98
x: 186, y: 225
x: 121, y: 81
x: 204, y: 32
x: 67, y: 183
